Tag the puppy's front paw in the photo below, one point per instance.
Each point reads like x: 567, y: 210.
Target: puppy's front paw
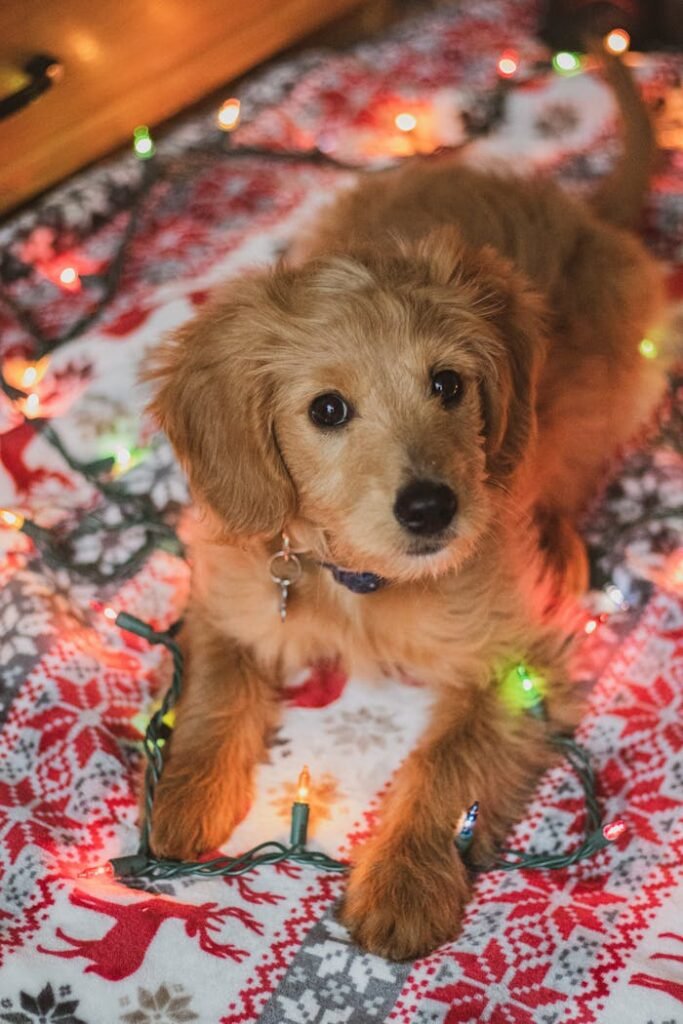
x: 188, y: 819
x: 405, y: 899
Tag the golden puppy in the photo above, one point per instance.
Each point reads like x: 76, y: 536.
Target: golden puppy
x: 422, y: 405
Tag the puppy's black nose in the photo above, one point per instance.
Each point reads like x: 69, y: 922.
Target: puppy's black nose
x: 425, y: 507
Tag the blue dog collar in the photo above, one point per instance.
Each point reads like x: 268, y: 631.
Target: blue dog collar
x: 356, y: 582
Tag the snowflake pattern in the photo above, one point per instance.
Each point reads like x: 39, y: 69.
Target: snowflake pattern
x: 161, y: 1007
x: 43, y: 1009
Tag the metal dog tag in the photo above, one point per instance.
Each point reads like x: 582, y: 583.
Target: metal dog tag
x: 285, y: 570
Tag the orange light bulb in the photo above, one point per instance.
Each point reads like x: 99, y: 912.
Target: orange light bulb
x: 13, y: 520
x: 405, y: 122
x: 24, y: 373
x: 228, y: 116
x: 617, y: 41
x: 30, y: 406
x: 303, y: 786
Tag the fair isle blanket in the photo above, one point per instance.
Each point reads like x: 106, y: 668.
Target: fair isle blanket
x: 599, y: 942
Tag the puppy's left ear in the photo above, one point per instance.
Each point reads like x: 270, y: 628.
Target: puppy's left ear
x: 486, y: 284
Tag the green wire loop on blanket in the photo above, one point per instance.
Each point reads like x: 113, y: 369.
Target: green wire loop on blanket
x: 145, y: 864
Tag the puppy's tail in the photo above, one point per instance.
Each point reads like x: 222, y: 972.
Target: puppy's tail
x: 620, y: 197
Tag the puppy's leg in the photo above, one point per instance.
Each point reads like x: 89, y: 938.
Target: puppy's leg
x: 408, y: 889
x: 225, y: 712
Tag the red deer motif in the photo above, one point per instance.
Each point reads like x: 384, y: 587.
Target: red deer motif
x: 120, y: 952
x: 667, y: 985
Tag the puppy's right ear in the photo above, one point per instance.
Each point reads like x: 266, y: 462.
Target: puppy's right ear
x: 214, y: 400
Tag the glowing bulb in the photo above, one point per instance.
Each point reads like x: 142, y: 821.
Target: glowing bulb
x: 68, y: 276
x: 522, y: 689
x: 617, y: 41
x: 613, y: 830
x: 508, y: 63
x: 617, y: 598
x: 23, y: 373
x: 566, y: 63
x: 405, y: 122
x: 648, y: 349
x: 143, y: 147
x: 123, y: 458
x: 31, y: 406
x: 590, y: 626
x: 11, y: 519
x: 100, y: 871
x: 228, y: 116
x: 303, y: 786
x: 104, y: 609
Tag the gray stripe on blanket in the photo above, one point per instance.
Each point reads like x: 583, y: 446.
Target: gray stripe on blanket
x: 28, y: 625
x: 330, y: 981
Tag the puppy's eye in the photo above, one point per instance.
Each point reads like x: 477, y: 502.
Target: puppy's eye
x: 330, y: 410
x: 448, y: 386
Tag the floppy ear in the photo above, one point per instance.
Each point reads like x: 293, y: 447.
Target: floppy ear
x: 509, y: 397
x: 214, y: 400
x: 488, y: 285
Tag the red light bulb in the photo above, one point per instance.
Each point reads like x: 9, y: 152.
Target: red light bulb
x: 613, y: 830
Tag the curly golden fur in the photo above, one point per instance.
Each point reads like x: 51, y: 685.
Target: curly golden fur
x: 539, y: 303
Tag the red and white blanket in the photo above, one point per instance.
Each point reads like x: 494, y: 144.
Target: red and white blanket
x: 599, y: 942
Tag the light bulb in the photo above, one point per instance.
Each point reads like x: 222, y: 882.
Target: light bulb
x: 13, y: 520
x: 99, y: 871
x: 613, y: 830
x: 228, y: 116
x: 123, y: 458
x: 143, y: 146
x: 566, y: 63
x: 30, y: 406
x: 508, y: 63
x: 69, y: 275
x: 617, y: 41
x: 303, y: 786
x: 24, y: 373
x: 405, y: 122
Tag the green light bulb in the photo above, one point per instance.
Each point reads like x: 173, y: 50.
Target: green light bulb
x: 566, y: 63
x: 521, y: 688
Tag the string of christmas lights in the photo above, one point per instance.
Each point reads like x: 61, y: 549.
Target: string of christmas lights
x: 19, y: 379
x: 522, y: 690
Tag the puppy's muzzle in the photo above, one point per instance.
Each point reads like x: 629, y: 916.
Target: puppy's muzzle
x: 425, y: 508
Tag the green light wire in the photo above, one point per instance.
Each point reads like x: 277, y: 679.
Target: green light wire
x: 145, y: 864
x: 57, y: 553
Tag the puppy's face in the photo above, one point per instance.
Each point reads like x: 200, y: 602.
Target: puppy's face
x: 379, y: 419
x: 372, y: 405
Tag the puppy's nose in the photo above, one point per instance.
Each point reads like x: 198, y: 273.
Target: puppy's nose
x: 425, y: 507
